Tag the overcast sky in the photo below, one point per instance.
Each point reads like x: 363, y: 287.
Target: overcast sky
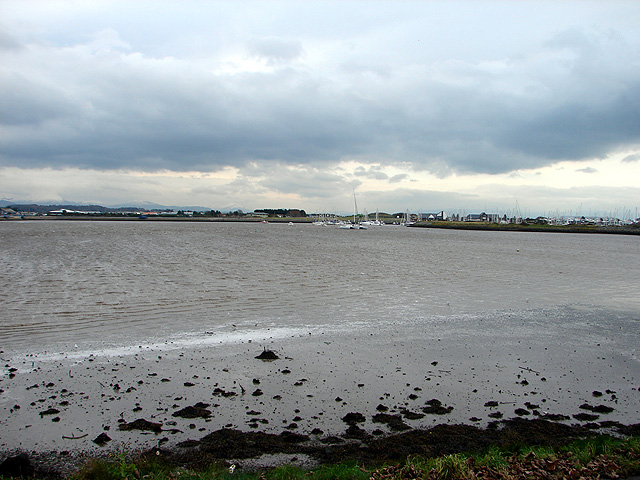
x: 422, y: 105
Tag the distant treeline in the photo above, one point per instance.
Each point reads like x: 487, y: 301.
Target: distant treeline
x: 78, y: 208
x: 283, y: 212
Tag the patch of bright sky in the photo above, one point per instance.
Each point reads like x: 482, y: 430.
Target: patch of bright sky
x: 611, y: 171
x: 215, y: 189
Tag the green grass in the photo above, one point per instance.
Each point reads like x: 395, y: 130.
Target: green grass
x: 603, y: 455
x: 340, y: 471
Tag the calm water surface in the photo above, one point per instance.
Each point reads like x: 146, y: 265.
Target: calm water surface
x: 72, y: 284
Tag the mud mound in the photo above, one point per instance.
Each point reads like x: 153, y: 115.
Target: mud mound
x: 268, y: 355
x: 230, y: 443
x: 199, y: 410
x: 519, y: 431
x: 141, y: 424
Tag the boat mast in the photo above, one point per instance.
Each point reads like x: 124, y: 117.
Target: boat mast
x: 355, y: 207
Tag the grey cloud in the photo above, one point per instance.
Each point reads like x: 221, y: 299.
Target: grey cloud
x: 372, y: 172
x: 112, y: 110
x: 587, y: 170
x: 574, y: 131
x: 398, y: 178
x: 631, y: 158
x: 31, y: 103
x: 356, y: 68
x: 9, y: 42
x: 275, y: 49
x: 316, y: 185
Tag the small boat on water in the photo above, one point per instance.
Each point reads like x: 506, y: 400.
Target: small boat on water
x: 407, y: 222
x: 355, y: 225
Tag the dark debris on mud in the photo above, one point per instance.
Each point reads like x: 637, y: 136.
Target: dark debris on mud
x: 367, y: 448
x: 356, y: 444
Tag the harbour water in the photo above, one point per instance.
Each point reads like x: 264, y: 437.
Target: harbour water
x: 77, y: 285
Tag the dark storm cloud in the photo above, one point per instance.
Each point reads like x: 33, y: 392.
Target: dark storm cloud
x: 576, y: 131
x: 97, y: 105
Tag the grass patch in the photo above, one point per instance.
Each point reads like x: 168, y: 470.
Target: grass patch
x: 597, y: 457
x: 124, y: 467
x: 340, y: 471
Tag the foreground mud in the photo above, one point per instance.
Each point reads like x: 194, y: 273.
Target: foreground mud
x: 324, y: 396
x: 250, y: 450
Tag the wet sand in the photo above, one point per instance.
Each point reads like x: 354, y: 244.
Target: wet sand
x: 328, y: 387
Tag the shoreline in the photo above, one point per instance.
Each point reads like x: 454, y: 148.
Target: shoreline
x: 492, y: 227
x: 512, y: 227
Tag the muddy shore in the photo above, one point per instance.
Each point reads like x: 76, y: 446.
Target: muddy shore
x: 327, y: 397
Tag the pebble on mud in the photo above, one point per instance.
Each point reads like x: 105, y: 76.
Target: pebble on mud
x: 141, y: 424
x: 102, y: 439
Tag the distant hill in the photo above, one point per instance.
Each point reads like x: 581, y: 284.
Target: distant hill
x: 157, y: 206
x: 35, y: 208
x: 123, y: 207
x: 145, y: 206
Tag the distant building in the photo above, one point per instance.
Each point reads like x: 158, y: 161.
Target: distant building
x: 7, y: 211
x: 482, y: 217
x: 65, y: 211
x: 434, y: 217
x: 476, y: 217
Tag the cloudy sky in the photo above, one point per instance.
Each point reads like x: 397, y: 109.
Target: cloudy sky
x: 424, y: 105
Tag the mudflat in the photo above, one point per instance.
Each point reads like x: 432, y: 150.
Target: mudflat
x: 317, y: 397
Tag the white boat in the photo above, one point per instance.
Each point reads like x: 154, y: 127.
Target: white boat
x: 377, y: 221
x: 355, y: 225
x: 407, y: 222
x: 372, y: 223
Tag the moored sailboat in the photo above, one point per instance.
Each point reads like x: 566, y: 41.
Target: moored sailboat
x: 355, y: 225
